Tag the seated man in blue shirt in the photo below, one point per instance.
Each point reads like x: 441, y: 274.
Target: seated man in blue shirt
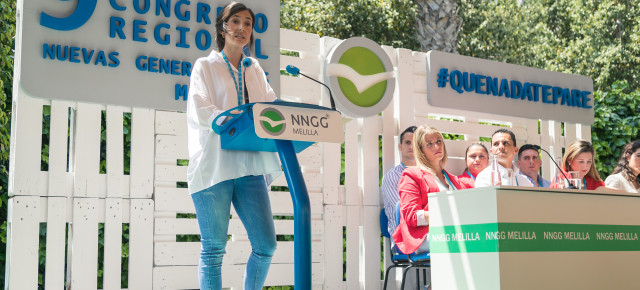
x: 391, y: 179
x: 530, y: 163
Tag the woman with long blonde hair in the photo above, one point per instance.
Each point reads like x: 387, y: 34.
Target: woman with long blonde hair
x: 579, y: 157
x: 415, y: 185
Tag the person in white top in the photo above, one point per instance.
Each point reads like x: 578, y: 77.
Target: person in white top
x: 626, y: 175
x: 503, y: 144
x: 216, y: 177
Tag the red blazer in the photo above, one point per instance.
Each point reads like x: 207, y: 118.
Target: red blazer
x: 415, y: 184
x: 592, y: 184
x: 466, y: 179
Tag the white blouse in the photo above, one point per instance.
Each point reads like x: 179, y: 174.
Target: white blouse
x: 211, y: 92
x: 618, y: 181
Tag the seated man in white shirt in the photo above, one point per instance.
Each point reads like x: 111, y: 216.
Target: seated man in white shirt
x: 529, y: 163
x: 503, y: 144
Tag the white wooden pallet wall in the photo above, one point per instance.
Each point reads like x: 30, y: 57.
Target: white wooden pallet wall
x: 149, y: 199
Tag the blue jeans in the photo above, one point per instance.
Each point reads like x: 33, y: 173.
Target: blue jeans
x: 250, y: 198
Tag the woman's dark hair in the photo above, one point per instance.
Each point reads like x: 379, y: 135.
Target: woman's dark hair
x: 623, y: 163
x: 224, y: 15
x: 467, y: 151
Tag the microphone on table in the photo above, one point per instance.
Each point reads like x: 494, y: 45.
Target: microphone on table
x: 571, y: 186
x: 296, y: 71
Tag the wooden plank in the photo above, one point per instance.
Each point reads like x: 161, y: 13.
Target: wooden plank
x: 311, y: 158
x: 88, y: 182
x: 59, y: 182
x: 115, y: 152
x: 179, y: 200
x: 552, y: 142
x: 141, y: 244
x: 56, y: 235
x: 25, y: 177
x: 585, y: 132
x: 142, y: 143
x: 112, y: 243
x: 188, y: 253
x: 333, y: 222
x: 483, y: 130
x: 22, y: 243
x: 353, y: 195
x: 175, y: 277
x: 184, y: 226
x: 311, y: 179
x: 370, y: 162
x: 186, y: 277
x: 301, y: 89
x: 171, y: 123
x: 299, y: 41
x: 370, y: 259
x: 309, y: 66
x: 570, y: 132
x: 391, y: 285
x: 170, y: 173
x: 404, y: 88
x: 353, y: 222
x: 389, y: 132
x: 84, y: 244
x: 173, y: 199
x: 331, y: 173
x: 169, y: 148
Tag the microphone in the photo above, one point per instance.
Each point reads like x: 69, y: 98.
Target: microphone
x: 246, y: 62
x: 296, y: 71
x: 571, y: 186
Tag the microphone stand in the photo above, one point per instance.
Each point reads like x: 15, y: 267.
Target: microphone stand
x: 296, y: 71
x: 571, y: 186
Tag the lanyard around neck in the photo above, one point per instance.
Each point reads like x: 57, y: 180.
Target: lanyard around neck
x: 470, y: 175
x: 448, y: 180
x: 238, y: 83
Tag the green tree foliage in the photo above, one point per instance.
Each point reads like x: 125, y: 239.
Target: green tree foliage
x: 618, y: 106
x: 7, y: 33
x: 600, y: 39
x: 387, y: 22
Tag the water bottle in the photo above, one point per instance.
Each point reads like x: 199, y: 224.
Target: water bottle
x: 559, y: 179
x: 496, y: 178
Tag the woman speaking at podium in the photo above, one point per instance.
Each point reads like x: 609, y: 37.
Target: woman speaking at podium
x: 216, y: 177
x: 416, y: 183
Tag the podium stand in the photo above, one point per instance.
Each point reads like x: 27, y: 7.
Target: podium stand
x: 286, y: 128
x: 529, y: 238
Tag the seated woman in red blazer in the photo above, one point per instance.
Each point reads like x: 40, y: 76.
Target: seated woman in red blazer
x: 416, y: 182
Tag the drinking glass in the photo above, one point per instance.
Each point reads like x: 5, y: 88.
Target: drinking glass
x: 496, y: 178
x: 575, y: 180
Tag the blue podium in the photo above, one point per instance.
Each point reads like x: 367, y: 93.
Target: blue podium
x: 286, y: 128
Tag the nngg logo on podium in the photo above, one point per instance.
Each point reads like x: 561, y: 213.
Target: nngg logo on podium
x: 272, y: 121
x: 294, y: 122
x: 362, y: 77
